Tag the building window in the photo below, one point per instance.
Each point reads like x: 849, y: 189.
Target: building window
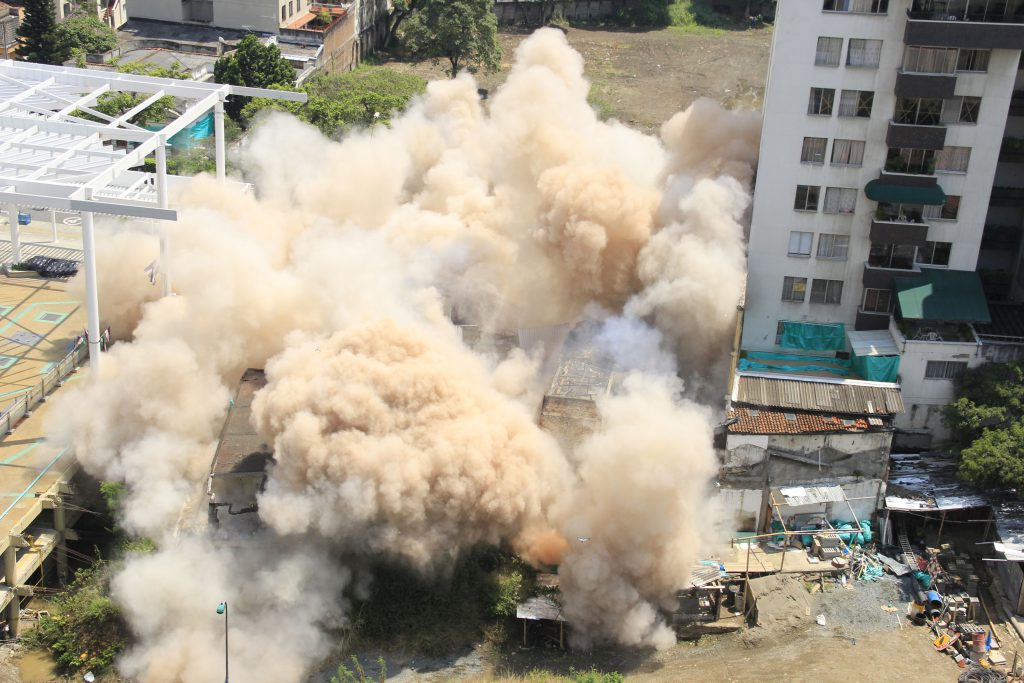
x: 813, y: 151
x: 934, y: 253
x: 833, y: 246
x: 828, y: 52
x: 865, y: 53
x: 860, y: 6
x: 906, y: 160
x: 944, y: 212
x: 877, y: 301
x: 961, y: 110
x: 847, y: 152
x: 944, y: 369
x: 929, y: 60
x: 918, y: 111
x: 794, y: 289
x: 820, y: 102
x: 953, y: 159
x: 826, y: 291
x: 899, y: 256
x: 840, y: 200
x: 806, y: 198
x: 856, y: 103
x: 291, y: 8
x: 973, y: 60
x: 800, y: 243
x: 284, y: 13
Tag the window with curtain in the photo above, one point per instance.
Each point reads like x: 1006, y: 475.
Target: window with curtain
x: 813, y: 150
x: 859, y: 6
x: 847, y: 152
x: 900, y: 256
x: 961, y: 110
x: 953, y: 159
x: 944, y: 369
x: 828, y: 51
x: 833, y: 247
x: 794, y: 289
x: 929, y: 60
x: 864, y: 53
x: 820, y: 102
x: 800, y: 243
x: 856, y: 103
x: 908, y: 160
x: 826, y: 291
x: 944, y: 212
x: 840, y: 200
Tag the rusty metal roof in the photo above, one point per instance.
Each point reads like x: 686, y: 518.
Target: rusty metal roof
x: 777, y: 421
x: 848, y: 397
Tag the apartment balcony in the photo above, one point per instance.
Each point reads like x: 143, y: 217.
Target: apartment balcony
x: 925, y: 85
x: 899, y: 232
x: 965, y: 25
x: 871, y: 321
x: 904, y: 135
x: 905, y: 188
x: 911, y: 333
x: 882, y: 278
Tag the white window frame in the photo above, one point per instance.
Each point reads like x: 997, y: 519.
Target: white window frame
x: 814, y: 105
x: 807, y: 194
x: 944, y: 369
x: 789, y: 284
x: 921, y: 59
x: 800, y: 243
x: 975, y: 52
x: 850, y: 104
x: 852, y: 150
x: 952, y: 159
x: 829, y: 51
x: 840, y: 200
x: 864, y: 53
x: 877, y: 294
x: 813, y: 150
x: 833, y: 247
x: 832, y: 292
x: 953, y: 109
x: 927, y: 251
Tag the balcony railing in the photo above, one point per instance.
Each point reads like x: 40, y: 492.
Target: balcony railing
x: 969, y: 15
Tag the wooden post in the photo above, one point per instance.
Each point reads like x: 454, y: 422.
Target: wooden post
x: 524, y: 632
x: 561, y: 635
x: 942, y: 523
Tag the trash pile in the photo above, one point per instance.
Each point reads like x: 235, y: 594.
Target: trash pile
x: 48, y: 266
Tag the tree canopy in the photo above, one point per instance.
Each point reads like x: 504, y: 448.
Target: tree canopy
x: 336, y: 103
x: 82, y: 34
x: 987, y: 423
x: 465, y: 32
x: 38, y: 33
x: 116, y: 103
x: 255, y: 66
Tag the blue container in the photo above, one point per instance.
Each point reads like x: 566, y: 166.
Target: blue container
x: 24, y: 218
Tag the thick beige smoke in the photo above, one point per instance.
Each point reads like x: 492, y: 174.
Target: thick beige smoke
x: 392, y: 438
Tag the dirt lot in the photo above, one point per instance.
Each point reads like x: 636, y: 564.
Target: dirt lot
x: 643, y: 77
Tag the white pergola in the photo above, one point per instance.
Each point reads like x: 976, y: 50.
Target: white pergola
x: 53, y: 157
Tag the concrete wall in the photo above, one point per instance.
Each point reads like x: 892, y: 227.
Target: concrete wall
x: 748, y: 508
x: 531, y: 12
x: 257, y: 15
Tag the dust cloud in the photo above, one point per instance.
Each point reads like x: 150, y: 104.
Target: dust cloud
x: 342, y: 275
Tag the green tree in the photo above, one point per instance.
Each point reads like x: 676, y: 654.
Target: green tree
x: 38, y: 33
x: 82, y: 34
x: 116, y: 103
x: 465, y: 32
x: 400, y: 11
x: 987, y: 422
x: 365, y: 97
x: 253, y: 65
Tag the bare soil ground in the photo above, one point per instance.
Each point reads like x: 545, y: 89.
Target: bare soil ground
x: 643, y: 77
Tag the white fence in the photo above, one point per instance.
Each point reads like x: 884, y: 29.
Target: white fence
x: 23, y: 405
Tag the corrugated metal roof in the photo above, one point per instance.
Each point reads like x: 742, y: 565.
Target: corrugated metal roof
x: 777, y: 421
x: 873, y: 343
x: 540, y: 608
x: 811, y: 495
x: 1010, y: 529
x: 928, y: 481
x: 849, y: 397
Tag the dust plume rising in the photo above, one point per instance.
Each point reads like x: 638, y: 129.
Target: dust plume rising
x: 346, y: 275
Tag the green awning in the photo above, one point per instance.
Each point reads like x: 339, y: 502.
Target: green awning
x: 904, y: 194
x: 946, y: 295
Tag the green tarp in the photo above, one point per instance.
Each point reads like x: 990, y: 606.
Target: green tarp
x: 813, y: 336
x: 877, y: 368
x: 904, y: 194
x: 942, y: 295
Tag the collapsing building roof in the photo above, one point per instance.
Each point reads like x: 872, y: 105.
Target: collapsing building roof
x: 569, y: 410
x: 241, y: 450
x: 928, y: 482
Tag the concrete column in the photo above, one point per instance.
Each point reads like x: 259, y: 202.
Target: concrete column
x: 61, y: 525
x: 218, y: 138
x: 11, y: 579
x: 92, y: 301
x: 53, y: 225
x: 161, y: 195
x: 12, y: 217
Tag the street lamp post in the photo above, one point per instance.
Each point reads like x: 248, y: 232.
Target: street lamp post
x: 222, y: 608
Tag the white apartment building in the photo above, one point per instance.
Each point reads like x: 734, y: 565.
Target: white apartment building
x: 111, y: 12
x: 266, y: 16
x: 883, y: 122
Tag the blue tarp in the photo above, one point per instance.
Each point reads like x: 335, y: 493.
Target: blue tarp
x: 794, y: 363
x: 877, y: 368
x: 813, y: 336
x: 187, y: 138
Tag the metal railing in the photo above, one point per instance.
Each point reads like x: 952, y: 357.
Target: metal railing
x: 23, y: 404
